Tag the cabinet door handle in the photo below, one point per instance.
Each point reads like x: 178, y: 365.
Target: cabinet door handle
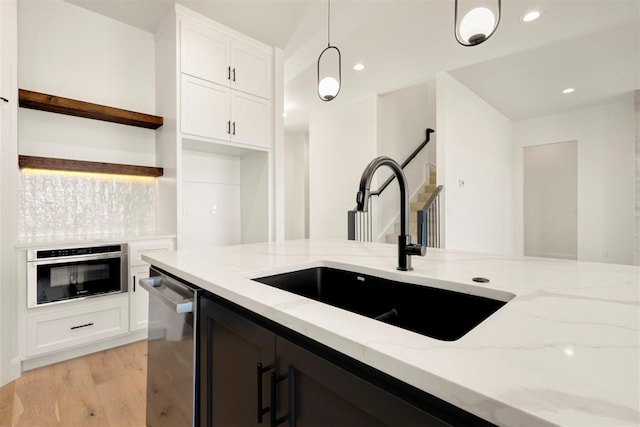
x: 4, y: 99
x: 260, y: 370
x: 81, y: 326
x: 234, y: 74
x: 291, y: 415
x: 134, y: 283
x: 229, y: 126
x: 229, y: 72
x: 234, y: 128
x: 292, y: 396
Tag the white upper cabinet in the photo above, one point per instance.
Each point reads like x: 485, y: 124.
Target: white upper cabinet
x: 251, y: 118
x: 205, y: 53
x: 205, y: 109
x: 250, y: 69
x: 220, y: 58
x: 214, y: 111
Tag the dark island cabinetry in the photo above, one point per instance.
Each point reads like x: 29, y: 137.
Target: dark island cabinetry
x: 254, y: 372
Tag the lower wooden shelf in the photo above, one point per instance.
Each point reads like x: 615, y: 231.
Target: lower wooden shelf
x: 50, y: 163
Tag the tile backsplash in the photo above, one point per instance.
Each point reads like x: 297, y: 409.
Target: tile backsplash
x: 69, y: 205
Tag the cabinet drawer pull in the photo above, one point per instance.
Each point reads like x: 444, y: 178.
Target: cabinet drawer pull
x: 291, y: 415
x: 292, y: 396
x: 82, y: 326
x: 260, y: 370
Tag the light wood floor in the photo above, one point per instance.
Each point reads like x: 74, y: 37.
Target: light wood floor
x: 107, y: 388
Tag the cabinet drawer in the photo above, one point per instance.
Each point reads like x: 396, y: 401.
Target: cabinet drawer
x: 137, y: 249
x: 63, y: 329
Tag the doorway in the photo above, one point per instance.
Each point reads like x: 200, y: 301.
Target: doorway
x: 551, y: 200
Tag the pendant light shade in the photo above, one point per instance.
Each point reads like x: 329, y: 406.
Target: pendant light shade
x: 329, y: 85
x: 477, y: 24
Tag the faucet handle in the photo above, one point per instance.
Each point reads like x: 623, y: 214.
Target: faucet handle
x: 415, y: 249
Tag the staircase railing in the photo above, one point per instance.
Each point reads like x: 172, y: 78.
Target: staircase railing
x: 429, y: 221
x: 359, y: 224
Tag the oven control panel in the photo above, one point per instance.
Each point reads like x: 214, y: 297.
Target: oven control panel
x: 59, y: 253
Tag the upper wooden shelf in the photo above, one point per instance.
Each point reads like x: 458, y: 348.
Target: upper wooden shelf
x: 49, y: 163
x: 73, y: 107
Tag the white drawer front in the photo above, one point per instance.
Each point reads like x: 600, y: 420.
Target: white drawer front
x: 137, y: 249
x: 68, y: 328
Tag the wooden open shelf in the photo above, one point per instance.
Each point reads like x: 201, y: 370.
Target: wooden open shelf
x: 73, y: 107
x: 49, y: 163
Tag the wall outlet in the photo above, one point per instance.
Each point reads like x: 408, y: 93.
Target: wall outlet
x: 461, y: 183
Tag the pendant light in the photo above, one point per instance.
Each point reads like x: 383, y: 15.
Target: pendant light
x: 329, y: 86
x: 477, y: 25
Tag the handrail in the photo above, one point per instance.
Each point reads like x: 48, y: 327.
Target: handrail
x: 365, y: 224
x: 412, y: 156
x: 431, y: 199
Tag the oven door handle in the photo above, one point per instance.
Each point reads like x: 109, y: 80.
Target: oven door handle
x: 156, y: 286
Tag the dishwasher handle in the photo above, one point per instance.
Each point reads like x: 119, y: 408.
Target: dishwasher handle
x: 157, y: 286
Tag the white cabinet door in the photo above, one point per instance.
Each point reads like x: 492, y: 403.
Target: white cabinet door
x: 205, y: 108
x: 250, y: 69
x: 138, y: 299
x: 204, y: 52
x: 251, y: 120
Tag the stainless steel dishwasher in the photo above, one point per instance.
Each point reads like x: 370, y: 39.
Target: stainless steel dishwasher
x: 171, y: 355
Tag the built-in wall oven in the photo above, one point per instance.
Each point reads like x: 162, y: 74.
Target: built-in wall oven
x: 56, y: 275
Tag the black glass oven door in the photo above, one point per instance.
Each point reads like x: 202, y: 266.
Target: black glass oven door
x: 66, y: 280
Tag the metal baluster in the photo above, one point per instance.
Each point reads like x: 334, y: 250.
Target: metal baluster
x: 438, y: 204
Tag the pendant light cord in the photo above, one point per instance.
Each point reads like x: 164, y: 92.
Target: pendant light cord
x: 329, y: 23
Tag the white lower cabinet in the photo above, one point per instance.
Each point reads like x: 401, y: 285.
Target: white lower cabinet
x: 139, y: 299
x: 82, y: 324
x: 139, y: 269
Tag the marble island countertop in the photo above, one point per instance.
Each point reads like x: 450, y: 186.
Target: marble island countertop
x: 565, y: 349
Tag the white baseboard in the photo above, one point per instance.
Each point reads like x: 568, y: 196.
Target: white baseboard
x: 11, y: 372
x: 59, y: 356
x: 551, y: 255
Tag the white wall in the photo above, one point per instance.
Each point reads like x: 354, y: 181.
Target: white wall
x: 9, y: 350
x: 403, y: 117
x: 551, y: 200
x: 69, y: 51
x: 296, y: 182
x: 211, y: 200
x: 605, y: 136
x: 474, y: 146
x: 342, y: 141
x: 636, y: 234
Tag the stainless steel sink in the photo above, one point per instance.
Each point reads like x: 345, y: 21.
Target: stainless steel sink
x: 437, y: 313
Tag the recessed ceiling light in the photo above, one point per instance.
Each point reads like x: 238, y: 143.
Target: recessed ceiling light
x: 568, y: 90
x: 531, y: 16
x: 358, y: 67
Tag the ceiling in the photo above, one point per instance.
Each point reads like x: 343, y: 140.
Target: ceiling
x: 592, y: 45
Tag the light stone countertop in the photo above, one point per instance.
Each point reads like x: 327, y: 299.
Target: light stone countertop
x: 90, y: 240
x: 565, y: 350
